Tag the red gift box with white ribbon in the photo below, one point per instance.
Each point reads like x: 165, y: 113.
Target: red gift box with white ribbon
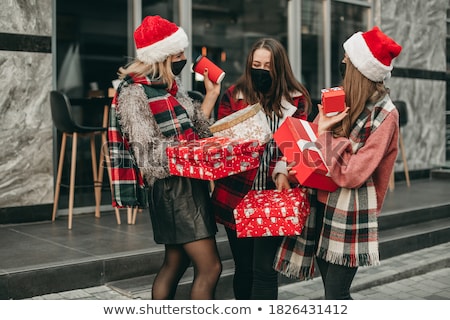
x: 296, y: 140
x: 212, y: 158
x: 333, y: 101
x: 266, y: 213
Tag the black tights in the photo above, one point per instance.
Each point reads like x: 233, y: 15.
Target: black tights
x: 207, y: 269
x: 254, y: 276
x: 337, y: 279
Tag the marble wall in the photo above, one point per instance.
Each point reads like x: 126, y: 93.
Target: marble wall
x: 420, y: 27
x: 26, y: 167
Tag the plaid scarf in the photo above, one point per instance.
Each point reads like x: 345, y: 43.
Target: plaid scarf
x: 129, y: 187
x: 170, y: 116
x: 349, y: 235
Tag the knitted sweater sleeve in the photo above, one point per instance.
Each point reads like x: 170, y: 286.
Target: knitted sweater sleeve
x: 376, y: 158
x: 147, y: 142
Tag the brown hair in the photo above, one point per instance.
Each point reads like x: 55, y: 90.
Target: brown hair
x: 283, y: 79
x: 359, y: 90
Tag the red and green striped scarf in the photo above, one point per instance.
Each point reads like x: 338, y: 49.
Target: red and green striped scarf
x: 170, y: 116
x: 129, y: 187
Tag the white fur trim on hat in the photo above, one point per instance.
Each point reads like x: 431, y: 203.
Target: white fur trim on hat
x: 363, y: 59
x: 159, y: 51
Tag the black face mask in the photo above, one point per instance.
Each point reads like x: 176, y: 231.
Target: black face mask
x: 342, y: 67
x: 262, y: 81
x: 177, y: 66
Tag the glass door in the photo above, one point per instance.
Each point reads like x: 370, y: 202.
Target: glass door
x: 91, y: 44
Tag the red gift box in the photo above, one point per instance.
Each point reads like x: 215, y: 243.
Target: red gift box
x: 296, y: 140
x: 268, y: 213
x: 212, y: 158
x: 333, y: 101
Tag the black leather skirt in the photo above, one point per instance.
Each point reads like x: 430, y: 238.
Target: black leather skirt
x: 180, y: 210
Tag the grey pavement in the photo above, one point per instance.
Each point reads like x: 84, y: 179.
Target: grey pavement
x: 420, y: 275
x: 42, y: 257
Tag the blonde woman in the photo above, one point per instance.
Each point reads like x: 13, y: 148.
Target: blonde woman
x: 150, y: 111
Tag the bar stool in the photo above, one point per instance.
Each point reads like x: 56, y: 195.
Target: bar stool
x: 63, y: 121
x: 403, y: 120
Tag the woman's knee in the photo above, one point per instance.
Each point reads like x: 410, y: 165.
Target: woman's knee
x: 216, y: 268
x: 212, y: 267
x: 205, y: 257
x: 175, y: 258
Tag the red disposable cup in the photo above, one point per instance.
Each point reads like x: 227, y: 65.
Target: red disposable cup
x: 215, y: 74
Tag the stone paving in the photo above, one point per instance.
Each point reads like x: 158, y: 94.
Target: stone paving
x: 419, y: 275
x: 434, y: 285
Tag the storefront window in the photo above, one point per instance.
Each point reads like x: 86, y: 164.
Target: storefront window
x: 312, y: 47
x: 91, y: 43
x: 346, y: 19
x: 94, y: 38
x: 225, y: 33
x: 163, y: 8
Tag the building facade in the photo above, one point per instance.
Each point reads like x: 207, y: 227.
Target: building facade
x: 78, y: 46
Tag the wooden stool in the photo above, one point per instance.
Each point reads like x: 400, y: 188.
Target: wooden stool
x: 63, y: 121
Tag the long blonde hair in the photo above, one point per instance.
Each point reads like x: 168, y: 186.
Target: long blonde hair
x: 159, y: 70
x: 359, y: 90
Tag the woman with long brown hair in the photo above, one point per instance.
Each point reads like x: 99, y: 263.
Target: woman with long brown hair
x: 268, y: 79
x: 359, y: 146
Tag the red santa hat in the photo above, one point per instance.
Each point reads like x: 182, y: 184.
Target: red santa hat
x: 157, y: 38
x: 372, y: 53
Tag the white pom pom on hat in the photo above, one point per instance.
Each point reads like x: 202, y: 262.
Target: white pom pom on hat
x: 372, y: 53
x: 157, y: 38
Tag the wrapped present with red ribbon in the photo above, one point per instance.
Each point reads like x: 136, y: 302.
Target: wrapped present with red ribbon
x: 212, y: 158
x: 266, y: 213
x: 333, y: 101
x: 296, y: 140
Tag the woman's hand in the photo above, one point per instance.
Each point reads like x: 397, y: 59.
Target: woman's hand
x: 210, y: 87
x: 212, y: 93
x: 291, y: 173
x: 283, y: 181
x: 325, y: 123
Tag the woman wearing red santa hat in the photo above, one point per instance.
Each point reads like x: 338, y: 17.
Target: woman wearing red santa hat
x: 359, y: 146
x: 149, y: 112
